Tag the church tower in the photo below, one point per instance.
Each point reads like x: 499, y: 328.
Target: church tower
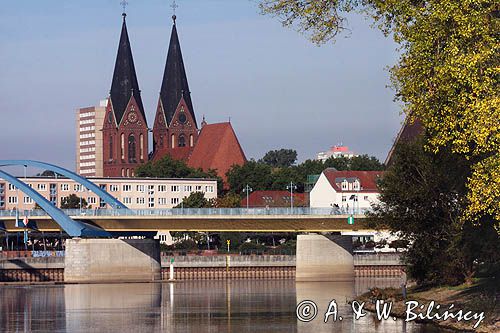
x: 175, y: 130
x: 125, y: 131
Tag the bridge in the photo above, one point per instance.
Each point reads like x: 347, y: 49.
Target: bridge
x: 318, y: 258
x: 198, y: 219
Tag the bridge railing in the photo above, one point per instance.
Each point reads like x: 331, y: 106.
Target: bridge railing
x: 304, y: 211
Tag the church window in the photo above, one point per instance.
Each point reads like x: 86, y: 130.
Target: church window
x: 110, y: 147
x: 161, y: 140
x: 131, y: 148
x: 182, y: 140
x: 122, y: 146
x: 141, y: 147
x: 191, y: 140
x: 173, y: 141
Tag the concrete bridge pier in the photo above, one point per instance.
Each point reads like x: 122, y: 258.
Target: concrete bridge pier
x: 324, y: 258
x: 112, y: 260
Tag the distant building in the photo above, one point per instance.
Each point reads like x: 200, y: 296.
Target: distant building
x: 336, y: 152
x: 273, y: 199
x: 89, y: 140
x: 135, y: 193
x: 345, y: 189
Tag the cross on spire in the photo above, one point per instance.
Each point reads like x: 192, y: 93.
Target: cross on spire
x: 174, y: 7
x: 124, y: 4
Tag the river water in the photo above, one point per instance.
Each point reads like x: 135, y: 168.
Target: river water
x: 187, y: 306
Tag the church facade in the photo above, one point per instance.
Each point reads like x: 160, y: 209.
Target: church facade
x: 175, y: 129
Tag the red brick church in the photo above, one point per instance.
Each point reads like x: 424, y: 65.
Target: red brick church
x: 175, y: 129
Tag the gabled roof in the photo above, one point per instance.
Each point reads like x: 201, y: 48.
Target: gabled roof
x: 217, y: 148
x: 175, y: 84
x: 124, y: 83
x: 273, y: 199
x: 367, y: 179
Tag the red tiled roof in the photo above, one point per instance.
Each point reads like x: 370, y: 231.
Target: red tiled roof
x: 217, y: 148
x: 367, y: 179
x: 180, y: 153
x: 273, y: 199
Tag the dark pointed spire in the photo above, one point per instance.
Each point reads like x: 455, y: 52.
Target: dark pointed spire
x: 175, y: 84
x: 124, y: 84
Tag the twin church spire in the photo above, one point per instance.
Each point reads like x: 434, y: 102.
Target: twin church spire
x: 174, y: 84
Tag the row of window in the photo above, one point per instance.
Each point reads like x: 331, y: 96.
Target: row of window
x: 87, y: 150
x: 355, y: 198
x: 162, y: 188
x: 85, y: 171
x: 87, y: 135
x: 87, y: 114
x: 87, y: 128
x: 87, y: 157
x: 87, y: 143
x: 131, y: 148
x: 128, y: 188
x: 86, y: 164
x: 180, y: 142
x: 87, y: 121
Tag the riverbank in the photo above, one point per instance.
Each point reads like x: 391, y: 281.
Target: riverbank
x: 480, y: 297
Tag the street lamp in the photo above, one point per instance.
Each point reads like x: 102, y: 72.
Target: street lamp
x: 291, y: 187
x: 247, y: 189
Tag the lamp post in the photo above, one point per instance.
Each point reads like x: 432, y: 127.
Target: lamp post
x: 247, y: 189
x: 291, y: 187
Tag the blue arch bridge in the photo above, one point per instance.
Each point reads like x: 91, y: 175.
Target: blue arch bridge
x: 120, y: 220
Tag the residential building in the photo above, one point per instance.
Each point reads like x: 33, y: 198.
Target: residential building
x: 336, y: 152
x: 135, y: 193
x: 346, y: 190
x: 89, y: 140
x: 273, y: 199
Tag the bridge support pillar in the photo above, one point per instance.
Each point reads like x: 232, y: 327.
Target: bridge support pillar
x: 112, y: 260
x: 324, y: 259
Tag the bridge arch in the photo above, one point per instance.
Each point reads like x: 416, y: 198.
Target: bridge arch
x: 108, y: 198
x: 71, y: 227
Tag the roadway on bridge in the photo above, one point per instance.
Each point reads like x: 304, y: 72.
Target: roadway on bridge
x: 210, y: 223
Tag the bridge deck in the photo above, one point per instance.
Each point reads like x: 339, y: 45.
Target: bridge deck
x: 212, y: 223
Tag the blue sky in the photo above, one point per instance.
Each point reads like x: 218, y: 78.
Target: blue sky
x: 280, y: 90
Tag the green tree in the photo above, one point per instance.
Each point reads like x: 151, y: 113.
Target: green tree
x: 280, y: 158
x: 446, y: 76
x: 356, y: 163
x: 255, y: 174
x: 229, y: 200
x: 194, y: 200
x: 422, y: 198
x: 72, y: 202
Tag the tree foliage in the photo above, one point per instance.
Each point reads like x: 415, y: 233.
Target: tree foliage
x: 280, y: 158
x: 194, y: 200
x: 72, y: 202
x: 261, y: 176
x: 446, y: 76
x: 422, y: 199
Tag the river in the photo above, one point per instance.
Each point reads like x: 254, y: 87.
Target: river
x: 187, y: 306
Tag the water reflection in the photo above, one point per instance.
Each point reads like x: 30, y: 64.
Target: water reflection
x: 190, y: 306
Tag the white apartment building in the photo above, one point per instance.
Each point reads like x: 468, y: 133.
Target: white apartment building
x: 345, y: 189
x: 135, y: 193
x: 89, y: 123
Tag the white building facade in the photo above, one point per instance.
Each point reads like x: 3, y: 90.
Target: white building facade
x: 345, y: 190
x: 135, y: 193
